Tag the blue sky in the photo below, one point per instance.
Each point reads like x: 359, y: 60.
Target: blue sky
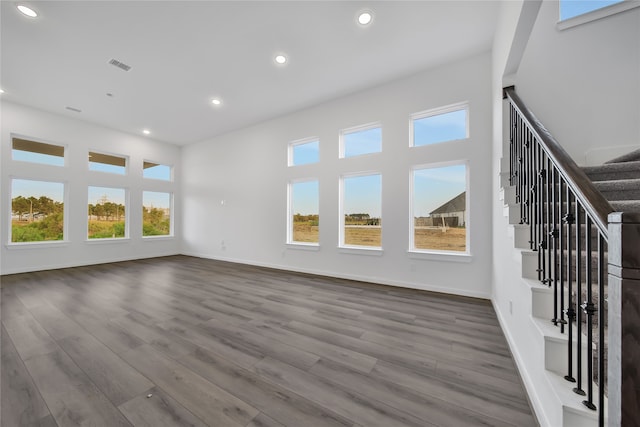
x: 27, y: 188
x: 571, y: 8
x: 308, y: 152
x: 442, y: 127
x: 363, y: 194
x: 435, y: 186
x: 103, y: 167
x: 305, y: 198
x: 362, y: 142
x: 27, y: 156
x: 156, y: 199
x: 162, y: 172
x: 114, y: 195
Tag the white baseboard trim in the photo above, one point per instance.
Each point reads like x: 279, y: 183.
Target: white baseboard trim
x: 357, y: 277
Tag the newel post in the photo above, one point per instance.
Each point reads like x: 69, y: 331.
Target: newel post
x: 624, y: 319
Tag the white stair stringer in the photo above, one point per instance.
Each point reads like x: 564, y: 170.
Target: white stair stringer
x: 544, y: 358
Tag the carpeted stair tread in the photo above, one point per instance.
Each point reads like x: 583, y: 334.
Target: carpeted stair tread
x: 627, y: 170
x: 626, y: 205
x: 629, y: 157
x: 619, y: 189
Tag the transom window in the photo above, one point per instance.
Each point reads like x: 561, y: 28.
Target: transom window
x: 101, y: 162
x: 25, y: 150
x: 572, y: 8
x: 361, y: 140
x: 304, y: 152
x: 440, y: 125
x: 152, y: 170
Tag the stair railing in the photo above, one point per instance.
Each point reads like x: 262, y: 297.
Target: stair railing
x: 568, y: 228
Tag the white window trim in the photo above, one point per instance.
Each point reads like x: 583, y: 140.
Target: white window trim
x: 107, y: 153
x: 436, y: 112
x: 171, y: 216
x: 359, y: 128
x: 65, y: 223
x: 42, y: 141
x: 301, y: 142
x: 290, y: 242
x: 171, y: 171
x: 430, y: 253
x: 355, y: 248
x: 127, y: 217
x: 597, y: 14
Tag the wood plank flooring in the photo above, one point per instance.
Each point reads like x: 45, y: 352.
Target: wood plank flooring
x: 183, y: 341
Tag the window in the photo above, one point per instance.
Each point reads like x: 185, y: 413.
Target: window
x: 107, y: 163
x: 156, y: 213
x: 440, y: 125
x: 361, y: 140
x: 152, y: 170
x: 37, y: 152
x: 37, y: 211
x: 304, y: 220
x: 439, y: 201
x: 107, y: 213
x: 304, y: 152
x: 360, y: 216
x: 573, y: 8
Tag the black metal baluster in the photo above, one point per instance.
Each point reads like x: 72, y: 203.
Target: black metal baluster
x: 553, y: 236
x: 562, y: 257
x: 601, y: 326
x: 589, y: 309
x: 541, y: 199
x: 547, y: 229
x: 533, y: 196
x: 578, y: 387
x: 571, y: 313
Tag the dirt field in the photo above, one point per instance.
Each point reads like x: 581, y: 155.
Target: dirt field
x: 303, y: 232
x: 363, y: 236
x: 454, y: 239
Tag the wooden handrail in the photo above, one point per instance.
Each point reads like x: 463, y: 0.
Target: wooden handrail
x: 591, y: 199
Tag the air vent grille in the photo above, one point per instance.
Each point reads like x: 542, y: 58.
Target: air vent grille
x: 73, y: 109
x: 120, y: 65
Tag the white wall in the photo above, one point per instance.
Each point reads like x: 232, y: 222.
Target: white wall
x: 80, y: 138
x: 583, y: 83
x: 248, y: 170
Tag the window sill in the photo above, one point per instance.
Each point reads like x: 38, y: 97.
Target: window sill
x: 107, y: 241
x: 597, y: 14
x: 440, y: 256
x: 303, y: 246
x: 156, y: 238
x: 36, y: 245
x: 361, y: 250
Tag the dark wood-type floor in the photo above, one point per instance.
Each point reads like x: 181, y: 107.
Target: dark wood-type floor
x: 181, y: 341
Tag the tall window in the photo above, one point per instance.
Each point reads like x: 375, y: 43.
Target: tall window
x: 25, y: 150
x: 361, y: 216
x: 440, y: 125
x: 152, y: 170
x: 439, y: 209
x: 107, y: 163
x: 156, y: 213
x: 37, y: 210
x: 107, y: 213
x: 361, y: 140
x: 304, y: 152
x: 304, y: 219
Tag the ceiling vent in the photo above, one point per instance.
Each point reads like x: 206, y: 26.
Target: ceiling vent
x: 120, y: 65
x: 73, y: 109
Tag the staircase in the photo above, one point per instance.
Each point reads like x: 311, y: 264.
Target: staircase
x: 557, y: 216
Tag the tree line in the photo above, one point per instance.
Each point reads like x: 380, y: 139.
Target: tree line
x: 108, y: 211
x: 35, y: 205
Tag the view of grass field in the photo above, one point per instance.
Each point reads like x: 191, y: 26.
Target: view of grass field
x: 50, y: 227
x: 451, y: 239
x: 109, y: 229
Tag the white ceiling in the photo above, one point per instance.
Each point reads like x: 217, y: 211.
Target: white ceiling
x: 182, y: 54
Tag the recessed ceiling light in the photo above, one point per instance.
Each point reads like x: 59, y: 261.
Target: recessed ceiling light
x: 365, y: 18
x: 280, y: 59
x: 216, y: 101
x: 146, y: 131
x: 27, y: 11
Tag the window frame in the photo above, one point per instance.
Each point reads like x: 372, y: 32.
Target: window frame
x: 126, y: 158
x: 65, y: 214
x: 356, y: 129
x: 431, y: 253
x: 127, y: 219
x: 171, y: 216
x: 290, y: 150
x: 342, y: 246
x: 594, y: 15
x: 458, y: 106
x: 39, y: 141
x: 290, y: 212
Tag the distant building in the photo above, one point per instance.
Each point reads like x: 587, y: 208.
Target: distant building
x: 452, y: 213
